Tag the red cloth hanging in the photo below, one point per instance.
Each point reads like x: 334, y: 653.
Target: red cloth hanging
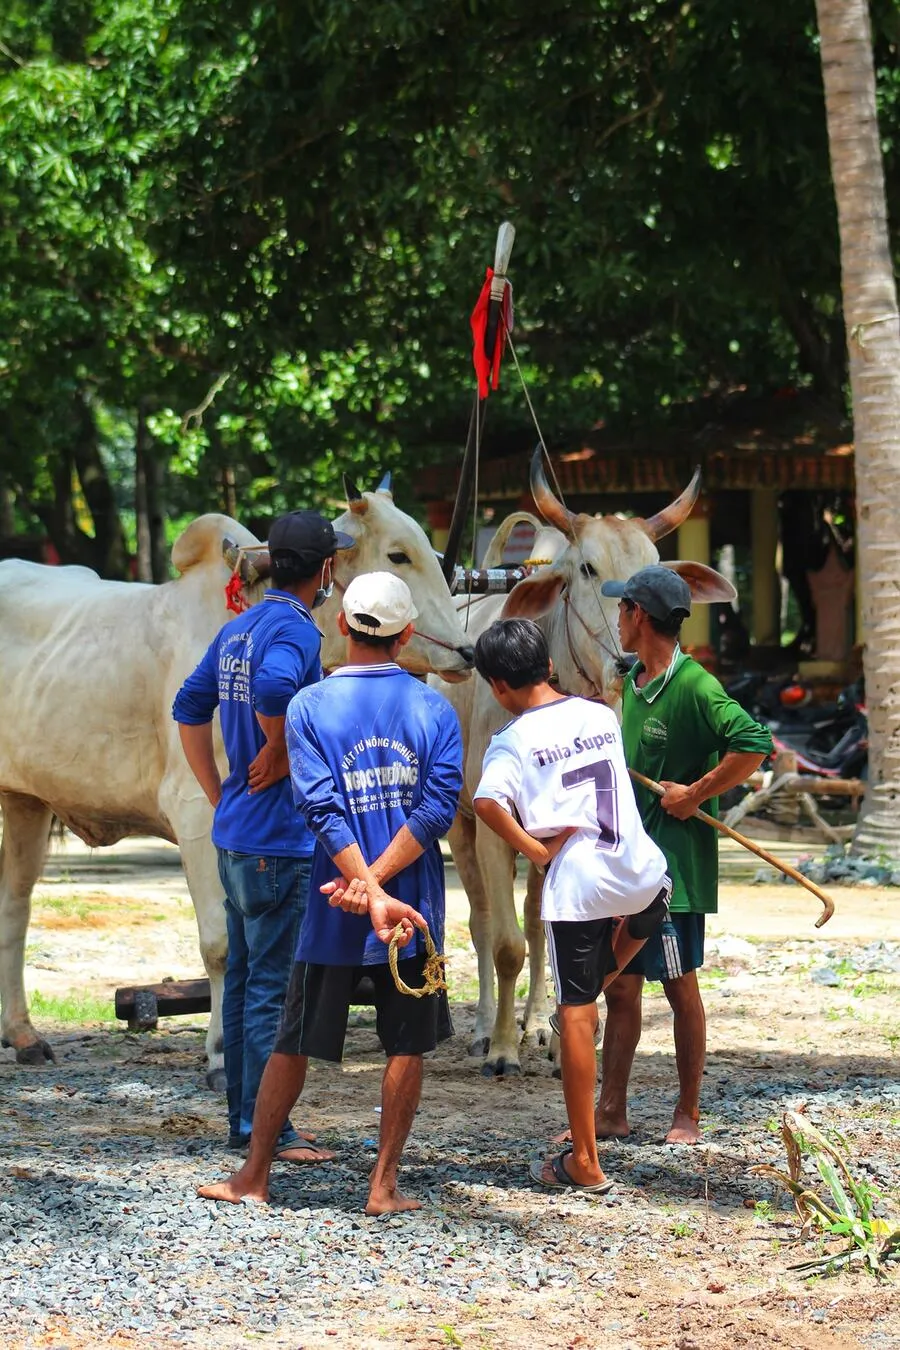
x: 235, y: 600
x: 488, y: 372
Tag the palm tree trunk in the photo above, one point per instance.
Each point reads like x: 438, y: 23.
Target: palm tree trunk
x: 873, y: 342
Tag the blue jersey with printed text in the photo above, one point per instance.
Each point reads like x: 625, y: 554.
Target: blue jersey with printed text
x: 372, y: 749
x: 256, y: 663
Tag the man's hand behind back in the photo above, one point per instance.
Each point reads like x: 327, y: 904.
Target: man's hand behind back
x: 269, y: 767
x: 385, y: 913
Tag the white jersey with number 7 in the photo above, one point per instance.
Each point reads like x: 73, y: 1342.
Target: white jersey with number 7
x: 560, y: 765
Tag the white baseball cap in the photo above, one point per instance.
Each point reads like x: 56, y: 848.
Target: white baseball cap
x: 378, y: 603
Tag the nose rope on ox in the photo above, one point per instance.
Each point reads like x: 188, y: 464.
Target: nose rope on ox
x: 594, y: 636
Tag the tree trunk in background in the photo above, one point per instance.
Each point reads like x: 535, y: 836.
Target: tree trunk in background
x: 149, y: 505
x: 873, y: 341
x: 229, y: 493
x: 7, y: 509
x: 156, y: 502
x: 144, y: 556
x: 110, y: 556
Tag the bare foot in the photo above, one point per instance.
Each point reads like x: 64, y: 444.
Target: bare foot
x: 605, y: 1127
x: 297, y: 1154
x: 685, y: 1128
x: 390, y: 1202
x: 237, y: 1189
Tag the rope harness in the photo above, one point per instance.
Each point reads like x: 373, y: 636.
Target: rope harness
x: 434, y: 966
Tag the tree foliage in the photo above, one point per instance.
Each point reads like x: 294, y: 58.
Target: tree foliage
x: 290, y: 206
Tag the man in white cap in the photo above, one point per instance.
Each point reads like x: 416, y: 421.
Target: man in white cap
x: 376, y: 767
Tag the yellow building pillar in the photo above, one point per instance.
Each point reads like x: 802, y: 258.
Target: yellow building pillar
x: 693, y: 546
x: 439, y: 514
x: 764, y: 546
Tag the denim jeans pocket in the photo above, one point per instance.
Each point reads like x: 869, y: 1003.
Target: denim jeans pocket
x: 252, y: 883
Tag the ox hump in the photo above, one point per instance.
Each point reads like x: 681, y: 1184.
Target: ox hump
x: 201, y: 542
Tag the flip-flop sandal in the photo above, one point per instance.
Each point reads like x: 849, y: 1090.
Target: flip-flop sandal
x: 325, y: 1154
x: 562, y: 1181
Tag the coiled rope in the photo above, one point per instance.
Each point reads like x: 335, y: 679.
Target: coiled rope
x: 433, y: 972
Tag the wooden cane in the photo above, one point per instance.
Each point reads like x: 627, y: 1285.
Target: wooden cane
x: 770, y: 858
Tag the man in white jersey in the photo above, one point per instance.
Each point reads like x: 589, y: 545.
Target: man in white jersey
x: 555, y: 787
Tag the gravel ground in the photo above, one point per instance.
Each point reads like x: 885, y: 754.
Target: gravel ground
x: 104, y: 1244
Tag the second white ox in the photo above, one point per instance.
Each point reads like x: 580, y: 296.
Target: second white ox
x: 88, y: 672
x: 578, y: 552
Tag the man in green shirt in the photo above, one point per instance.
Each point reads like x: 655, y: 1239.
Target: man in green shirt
x: 680, y: 728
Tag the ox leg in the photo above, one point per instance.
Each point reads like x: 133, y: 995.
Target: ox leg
x: 26, y: 833
x: 198, y: 857
x: 461, y: 839
x: 498, y: 862
x: 537, y: 1009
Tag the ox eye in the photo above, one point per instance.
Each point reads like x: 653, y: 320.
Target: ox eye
x: 587, y: 570
x: 399, y: 558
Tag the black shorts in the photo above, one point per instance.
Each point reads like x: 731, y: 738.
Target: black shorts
x: 314, y: 1018
x: 581, y: 957
x: 674, y: 950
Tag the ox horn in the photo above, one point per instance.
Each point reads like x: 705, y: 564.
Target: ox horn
x: 667, y: 520
x: 552, y: 510
x: 355, y: 500
x: 385, y: 485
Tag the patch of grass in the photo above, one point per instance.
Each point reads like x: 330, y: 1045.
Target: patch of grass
x: 452, y: 1335
x: 68, y: 906
x: 72, y: 1008
x: 709, y: 977
x: 763, y: 1210
x: 870, y: 985
x: 681, y: 1228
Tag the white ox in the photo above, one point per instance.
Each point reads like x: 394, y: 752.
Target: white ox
x: 577, y: 553
x: 88, y: 672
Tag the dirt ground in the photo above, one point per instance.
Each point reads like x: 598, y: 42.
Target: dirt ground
x: 694, y: 1252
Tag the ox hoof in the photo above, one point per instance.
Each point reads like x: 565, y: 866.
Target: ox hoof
x: 40, y: 1052
x: 216, y: 1081
x: 557, y: 1071
x: 480, y: 1046
x: 502, y: 1068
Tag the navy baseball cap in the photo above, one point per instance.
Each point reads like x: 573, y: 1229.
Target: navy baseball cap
x: 308, y: 536
x: 658, y: 590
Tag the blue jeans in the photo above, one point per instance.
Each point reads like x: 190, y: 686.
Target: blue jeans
x: 265, y: 900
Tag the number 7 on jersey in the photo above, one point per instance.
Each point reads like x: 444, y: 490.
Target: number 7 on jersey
x: 604, y: 778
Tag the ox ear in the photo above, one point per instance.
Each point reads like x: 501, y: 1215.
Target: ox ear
x: 385, y: 485
x: 355, y: 500
x: 707, y: 586
x: 534, y: 596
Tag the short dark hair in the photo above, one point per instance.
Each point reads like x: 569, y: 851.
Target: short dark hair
x: 288, y: 569
x: 670, y: 627
x: 515, y: 651
x: 375, y: 640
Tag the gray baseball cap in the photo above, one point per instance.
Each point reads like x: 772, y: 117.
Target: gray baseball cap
x: 658, y: 590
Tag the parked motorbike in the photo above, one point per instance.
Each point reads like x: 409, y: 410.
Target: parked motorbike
x: 835, y: 745
x: 830, y: 738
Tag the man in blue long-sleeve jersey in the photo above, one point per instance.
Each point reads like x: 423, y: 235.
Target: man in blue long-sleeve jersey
x: 251, y: 671
x: 376, y: 764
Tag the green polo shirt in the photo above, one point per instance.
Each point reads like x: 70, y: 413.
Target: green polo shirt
x: 677, y: 728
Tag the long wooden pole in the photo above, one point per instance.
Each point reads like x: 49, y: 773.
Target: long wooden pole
x: 770, y: 858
